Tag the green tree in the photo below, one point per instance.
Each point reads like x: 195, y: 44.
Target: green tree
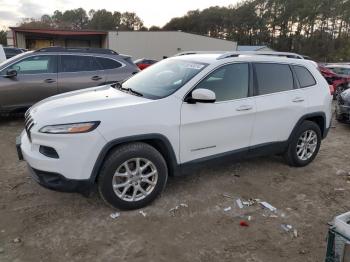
x: 3, y: 38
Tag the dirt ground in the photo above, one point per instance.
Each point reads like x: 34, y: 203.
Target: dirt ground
x: 37, y: 224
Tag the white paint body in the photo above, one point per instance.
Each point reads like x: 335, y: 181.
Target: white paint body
x: 194, y: 130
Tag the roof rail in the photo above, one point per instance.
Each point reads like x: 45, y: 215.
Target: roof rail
x: 77, y: 50
x: 265, y: 53
x: 199, y: 52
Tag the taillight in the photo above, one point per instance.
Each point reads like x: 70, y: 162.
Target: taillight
x: 331, y: 89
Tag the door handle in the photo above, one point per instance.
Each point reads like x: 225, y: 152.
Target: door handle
x: 298, y: 100
x: 96, y: 78
x: 49, y: 80
x: 244, y: 108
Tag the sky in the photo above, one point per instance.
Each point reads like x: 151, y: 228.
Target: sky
x: 152, y: 12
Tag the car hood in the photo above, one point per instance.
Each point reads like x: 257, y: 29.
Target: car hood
x: 83, y: 102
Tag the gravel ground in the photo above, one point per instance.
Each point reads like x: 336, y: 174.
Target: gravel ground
x: 37, y: 224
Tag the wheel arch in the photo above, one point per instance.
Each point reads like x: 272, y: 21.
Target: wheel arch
x: 318, y: 117
x: 158, y: 141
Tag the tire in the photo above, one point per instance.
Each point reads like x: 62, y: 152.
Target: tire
x: 296, y: 145
x: 125, y: 169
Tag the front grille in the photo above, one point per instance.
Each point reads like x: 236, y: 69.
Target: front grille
x: 28, y: 124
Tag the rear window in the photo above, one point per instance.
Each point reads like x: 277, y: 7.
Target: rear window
x: 107, y: 63
x: 273, y: 78
x: 75, y: 63
x: 304, y: 76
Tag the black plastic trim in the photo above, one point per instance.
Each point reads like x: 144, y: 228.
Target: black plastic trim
x: 303, y: 118
x: 58, y: 182
x: 172, y: 162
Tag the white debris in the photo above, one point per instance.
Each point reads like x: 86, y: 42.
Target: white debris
x: 172, y: 210
x: 249, y: 218
x: 286, y: 227
x: 143, y: 213
x: 295, y: 233
x: 239, y: 203
x: 17, y: 240
x: 227, y: 209
x: 339, y: 189
x: 115, y: 215
x: 268, y: 206
x: 341, y: 172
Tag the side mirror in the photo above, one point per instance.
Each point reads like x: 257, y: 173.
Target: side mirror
x: 202, y: 95
x: 11, y: 73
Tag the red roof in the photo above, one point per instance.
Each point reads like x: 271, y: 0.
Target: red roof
x: 50, y: 31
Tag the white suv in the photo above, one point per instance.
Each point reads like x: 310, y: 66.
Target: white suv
x: 128, y: 138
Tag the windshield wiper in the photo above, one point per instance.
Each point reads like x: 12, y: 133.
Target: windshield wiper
x: 119, y: 86
x: 130, y: 90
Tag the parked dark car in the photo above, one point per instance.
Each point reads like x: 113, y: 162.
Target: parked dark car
x: 32, y: 76
x: 13, y: 51
x: 144, y: 63
x: 342, y: 108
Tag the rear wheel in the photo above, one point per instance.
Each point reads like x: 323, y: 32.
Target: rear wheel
x: 132, y: 176
x: 304, y: 145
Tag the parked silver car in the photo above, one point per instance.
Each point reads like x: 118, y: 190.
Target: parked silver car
x: 32, y: 76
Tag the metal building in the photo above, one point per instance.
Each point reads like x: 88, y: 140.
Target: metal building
x: 138, y: 44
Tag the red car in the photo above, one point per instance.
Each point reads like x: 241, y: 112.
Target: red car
x: 339, y: 82
x: 144, y: 63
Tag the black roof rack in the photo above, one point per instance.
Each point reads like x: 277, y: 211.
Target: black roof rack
x: 77, y: 50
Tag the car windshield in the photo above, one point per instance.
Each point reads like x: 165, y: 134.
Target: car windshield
x: 163, y: 78
x: 8, y: 61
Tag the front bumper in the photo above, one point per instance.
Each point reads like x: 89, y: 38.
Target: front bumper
x: 54, y: 181
x: 58, y: 182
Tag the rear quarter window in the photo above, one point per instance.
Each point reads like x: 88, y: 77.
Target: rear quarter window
x: 107, y: 63
x: 304, y: 76
x: 273, y: 78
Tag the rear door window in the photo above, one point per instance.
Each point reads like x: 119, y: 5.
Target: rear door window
x: 273, y: 78
x: 76, y: 63
x: 107, y: 63
x: 305, y: 78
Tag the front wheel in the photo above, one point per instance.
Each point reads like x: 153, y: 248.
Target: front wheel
x: 132, y: 176
x: 304, y: 145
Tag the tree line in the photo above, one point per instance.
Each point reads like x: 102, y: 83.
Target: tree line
x: 79, y: 19
x: 317, y: 28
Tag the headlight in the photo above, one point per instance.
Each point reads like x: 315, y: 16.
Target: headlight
x: 70, y: 128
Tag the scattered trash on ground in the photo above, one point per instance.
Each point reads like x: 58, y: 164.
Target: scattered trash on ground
x: 268, y: 206
x: 249, y: 218
x: 143, y: 213
x: 17, y: 185
x: 342, y: 172
x: 239, y: 203
x: 174, y: 209
x: 2, y: 250
x: 286, y: 227
x: 295, y: 233
x: 227, y: 209
x: 17, y: 240
x: 227, y: 195
x: 115, y: 215
x: 243, y: 224
x: 339, y: 189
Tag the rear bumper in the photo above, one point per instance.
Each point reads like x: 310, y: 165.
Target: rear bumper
x: 58, y: 182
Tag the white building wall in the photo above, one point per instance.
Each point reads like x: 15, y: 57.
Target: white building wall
x: 156, y: 44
